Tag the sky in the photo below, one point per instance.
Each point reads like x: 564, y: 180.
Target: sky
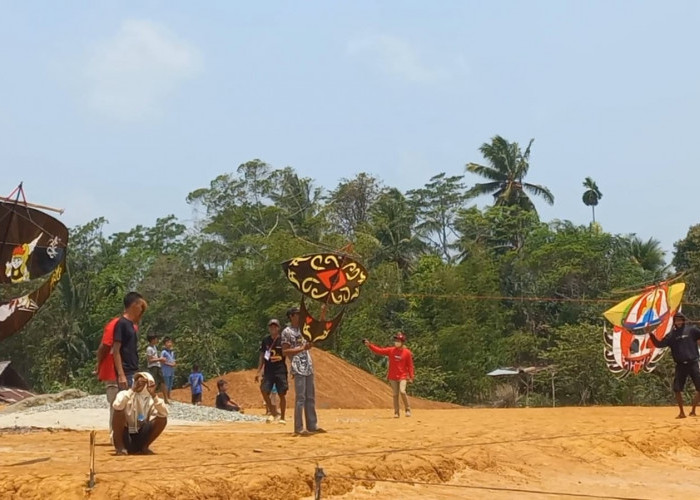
x: 120, y: 109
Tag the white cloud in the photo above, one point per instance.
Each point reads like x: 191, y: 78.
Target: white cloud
x: 397, y: 57
x: 131, y: 74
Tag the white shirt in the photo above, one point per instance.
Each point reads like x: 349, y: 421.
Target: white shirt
x: 135, y: 404
x: 152, y: 350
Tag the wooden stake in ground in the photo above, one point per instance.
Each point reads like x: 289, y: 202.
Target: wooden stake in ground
x: 91, y: 481
x: 318, y: 477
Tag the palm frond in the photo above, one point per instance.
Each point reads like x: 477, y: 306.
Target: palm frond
x: 486, y: 172
x: 541, y: 191
x: 483, y: 188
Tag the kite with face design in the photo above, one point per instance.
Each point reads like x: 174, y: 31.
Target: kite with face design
x: 628, y: 349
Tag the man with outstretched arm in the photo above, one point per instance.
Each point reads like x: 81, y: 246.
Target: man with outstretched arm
x: 683, y: 341
x: 400, y: 369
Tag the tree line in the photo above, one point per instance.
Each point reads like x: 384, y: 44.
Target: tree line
x: 473, y: 289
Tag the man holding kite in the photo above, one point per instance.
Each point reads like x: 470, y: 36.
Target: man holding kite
x: 683, y: 341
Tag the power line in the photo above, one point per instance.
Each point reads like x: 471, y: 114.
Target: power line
x: 487, y: 488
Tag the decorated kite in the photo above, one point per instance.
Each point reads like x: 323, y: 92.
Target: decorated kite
x: 330, y: 278
x: 32, y: 246
x: 628, y: 348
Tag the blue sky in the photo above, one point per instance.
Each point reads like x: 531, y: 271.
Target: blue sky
x: 120, y: 109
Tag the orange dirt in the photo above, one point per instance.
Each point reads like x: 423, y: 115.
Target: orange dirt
x: 338, y: 385
x: 495, y: 454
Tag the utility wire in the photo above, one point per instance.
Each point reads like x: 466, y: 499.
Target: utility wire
x: 488, y: 488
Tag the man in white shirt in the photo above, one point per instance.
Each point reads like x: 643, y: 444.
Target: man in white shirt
x: 295, y: 346
x: 139, y: 416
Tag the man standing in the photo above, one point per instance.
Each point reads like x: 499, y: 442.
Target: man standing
x: 272, y: 368
x: 683, y: 341
x: 105, y: 366
x: 125, y: 346
x: 294, y: 345
x: 400, y: 369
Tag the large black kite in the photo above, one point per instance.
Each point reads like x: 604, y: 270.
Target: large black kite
x: 32, y: 246
x: 330, y: 278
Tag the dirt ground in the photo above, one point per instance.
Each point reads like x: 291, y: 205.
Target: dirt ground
x: 466, y: 453
x: 339, y: 384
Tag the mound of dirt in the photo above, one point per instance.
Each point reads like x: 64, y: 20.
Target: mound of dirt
x: 338, y: 385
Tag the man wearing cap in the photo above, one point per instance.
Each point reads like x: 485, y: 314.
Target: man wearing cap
x: 273, y: 370
x: 400, y: 369
x: 683, y: 341
x: 294, y: 345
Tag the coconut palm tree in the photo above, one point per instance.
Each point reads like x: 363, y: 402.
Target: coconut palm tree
x: 592, y: 195
x: 648, y: 254
x: 507, y: 167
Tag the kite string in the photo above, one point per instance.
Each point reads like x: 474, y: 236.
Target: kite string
x: 513, y: 298
x: 17, y: 190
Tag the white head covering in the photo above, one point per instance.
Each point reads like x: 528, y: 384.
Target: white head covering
x: 142, y: 402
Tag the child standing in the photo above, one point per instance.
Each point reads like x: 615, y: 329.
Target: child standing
x: 154, y: 362
x: 196, y: 381
x: 168, y: 364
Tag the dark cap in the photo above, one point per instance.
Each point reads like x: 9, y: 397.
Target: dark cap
x: 273, y: 321
x: 679, y: 315
x: 292, y: 310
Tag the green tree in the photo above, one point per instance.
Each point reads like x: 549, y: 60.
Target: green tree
x: 392, y: 222
x: 437, y: 205
x: 506, y: 169
x: 349, y: 204
x: 686, y: 260
x: 592, y: 195
x: 647, y: 254
x: 298, y: 202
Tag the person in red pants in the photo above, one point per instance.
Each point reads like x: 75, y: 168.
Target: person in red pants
x: 400, y: 369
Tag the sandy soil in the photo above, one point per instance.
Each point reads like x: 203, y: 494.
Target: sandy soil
x: 519, y: 453
x: 338, y: 385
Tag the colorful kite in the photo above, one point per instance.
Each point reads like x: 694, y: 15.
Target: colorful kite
x: 330, y: 278
x: 628, y: 348
x: 32, y: 245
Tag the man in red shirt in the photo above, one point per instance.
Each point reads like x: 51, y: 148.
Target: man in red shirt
x: 105, y: 366
x: 400, y: 369
x: 106, y: 369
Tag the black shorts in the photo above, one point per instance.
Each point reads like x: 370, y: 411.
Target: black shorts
x: 278, y: 379
x: 135, y: 443
x: 196, y: 398
x: 683, y: 371
x: 157, y: 375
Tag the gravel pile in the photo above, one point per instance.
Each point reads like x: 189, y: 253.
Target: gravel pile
x: 176, y: 410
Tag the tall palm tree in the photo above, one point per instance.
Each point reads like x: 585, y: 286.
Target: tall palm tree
x: 592, y: 195
x: 507, y: 167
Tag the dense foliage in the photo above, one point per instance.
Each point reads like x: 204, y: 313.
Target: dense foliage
x: 474, y: 289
